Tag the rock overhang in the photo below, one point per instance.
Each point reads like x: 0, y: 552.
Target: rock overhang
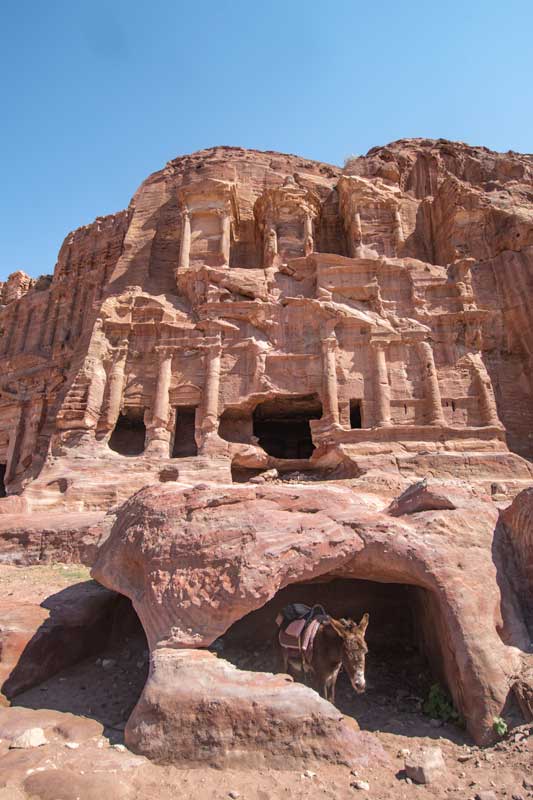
x: 195, y: 560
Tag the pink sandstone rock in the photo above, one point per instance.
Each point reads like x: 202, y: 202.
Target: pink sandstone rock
x: 380, y: 311
x: 52, y: 537
x: 194, y: 560
x: 91, y: 771
x: 199, y: 709
x: 36, y: 641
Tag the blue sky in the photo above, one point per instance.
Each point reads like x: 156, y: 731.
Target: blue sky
x: 97, y: 95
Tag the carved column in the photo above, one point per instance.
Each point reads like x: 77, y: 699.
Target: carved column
x: 51, y: 324
x: 185, y: 247
x: 270, y: 244
x: 95, y: 394
x: 431, y: 384
x: 162, y: 399
x: 116, y: 387
x: 329, y: 371
x: 226, y: 236
x: 357, y: 235
x: 309, y: 244
x: 487, y: 401
x: 398, y: 229
x: 29, y: 439
x: 381, y: 385
x: 11, y: 336
x: 212, y: 386
x: 159, y: 434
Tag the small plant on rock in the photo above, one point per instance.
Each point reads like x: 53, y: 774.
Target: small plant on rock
x: 500, y: 726
x: 439, y: 705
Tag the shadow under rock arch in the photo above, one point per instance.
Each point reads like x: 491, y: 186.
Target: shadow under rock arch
x: 95, y: 670
x: 403, y: 661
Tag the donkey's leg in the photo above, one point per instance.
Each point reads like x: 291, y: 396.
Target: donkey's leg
x: 332, y: 684
x: 284, y: 659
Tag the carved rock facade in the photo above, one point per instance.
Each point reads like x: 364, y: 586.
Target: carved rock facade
x: 254, y: 310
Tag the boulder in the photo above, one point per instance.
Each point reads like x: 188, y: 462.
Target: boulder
x: 16, y: 722
x: 199, y: 709
x: 32, y: 737
x: 523, y: 689
x: 426, y: 766
x: 421, y: 497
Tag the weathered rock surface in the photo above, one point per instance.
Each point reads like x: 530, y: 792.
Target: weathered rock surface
x: 380, y: 311
x: 195, y: 560
x: 53, y: 770
x: 36, y: 641
x: 421, y: 498
x: 518, y: 521
x: 52, y: 538
x: 198, y: 709
x: 54, y: 725
x: 425, y: 766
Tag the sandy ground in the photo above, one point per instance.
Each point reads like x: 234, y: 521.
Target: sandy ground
x: 106, y: 687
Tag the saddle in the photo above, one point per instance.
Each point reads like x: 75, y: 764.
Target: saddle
x: 298, y: 625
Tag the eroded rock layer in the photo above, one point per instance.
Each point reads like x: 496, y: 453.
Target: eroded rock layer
x: 254, y: 310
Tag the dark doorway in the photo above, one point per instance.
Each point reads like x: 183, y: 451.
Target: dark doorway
x: 184, y: 441
x: 3, y: 468
x: 129, y: 435
x: 355, y: 414
x: 282, y: 425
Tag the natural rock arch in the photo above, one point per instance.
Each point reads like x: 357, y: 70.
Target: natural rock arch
x: 196, y: 559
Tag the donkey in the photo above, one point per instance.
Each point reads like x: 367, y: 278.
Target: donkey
x: 338, y: 643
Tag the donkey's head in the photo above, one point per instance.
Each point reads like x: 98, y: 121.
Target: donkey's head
x: 354, y: 650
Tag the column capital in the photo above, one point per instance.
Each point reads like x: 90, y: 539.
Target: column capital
x: 330, y: 342
x: 164, y: 351
x: 213, y: 348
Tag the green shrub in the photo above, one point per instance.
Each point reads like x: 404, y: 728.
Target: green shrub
x: 500, y: 726
x: 439, y: 705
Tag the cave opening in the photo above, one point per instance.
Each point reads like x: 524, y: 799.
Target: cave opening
x: 129, y: 433
x: 3, y: 468
x: 404, y: 657
x: 97, y: 672
x: 355, y: 414
x: 282, y: 427
x: 184, y: 435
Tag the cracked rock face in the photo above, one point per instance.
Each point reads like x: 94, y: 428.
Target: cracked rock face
x: 194, y: 560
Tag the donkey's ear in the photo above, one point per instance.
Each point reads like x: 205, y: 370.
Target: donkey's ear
x: 363, y: 625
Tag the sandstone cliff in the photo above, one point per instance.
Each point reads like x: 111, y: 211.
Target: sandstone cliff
x: 381, y: 311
